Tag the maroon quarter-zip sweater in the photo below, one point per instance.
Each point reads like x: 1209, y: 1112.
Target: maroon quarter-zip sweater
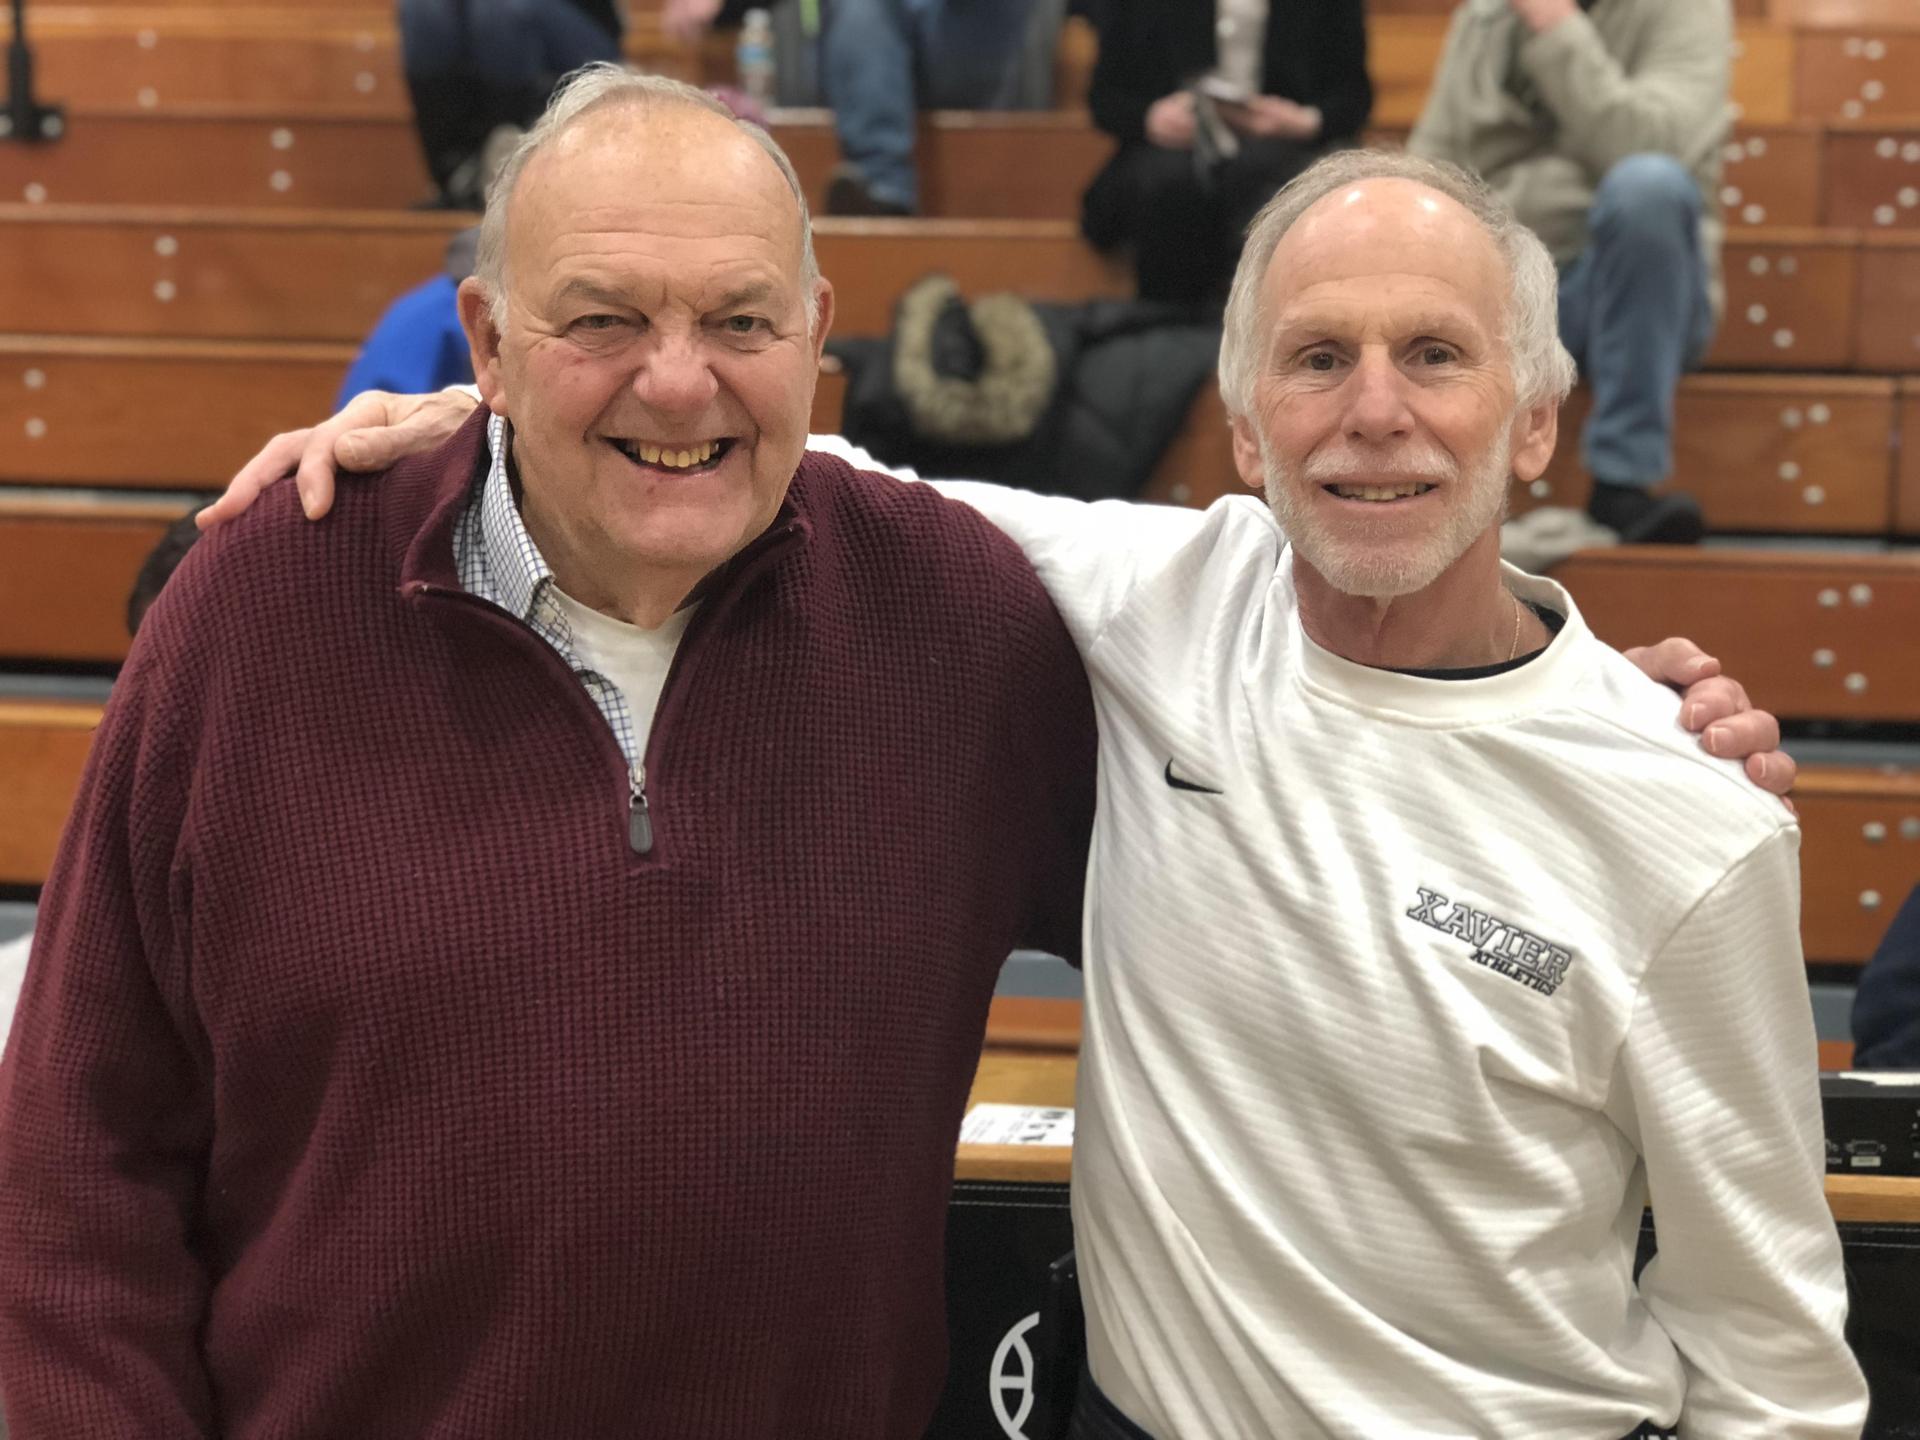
x: 369, y: 1082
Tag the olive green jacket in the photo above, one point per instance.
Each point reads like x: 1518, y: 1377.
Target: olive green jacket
x: 1543, y: 117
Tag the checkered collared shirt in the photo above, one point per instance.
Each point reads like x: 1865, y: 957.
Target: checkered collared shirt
x: 498, y: 561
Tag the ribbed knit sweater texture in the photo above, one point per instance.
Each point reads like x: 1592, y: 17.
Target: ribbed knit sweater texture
x: 368, y: 1083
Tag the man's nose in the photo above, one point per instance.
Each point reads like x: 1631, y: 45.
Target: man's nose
x: 674, y: 375
x: 1377, y: 399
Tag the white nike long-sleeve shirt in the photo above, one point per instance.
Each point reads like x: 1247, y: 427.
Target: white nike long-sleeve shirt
x: 1390, y: 1039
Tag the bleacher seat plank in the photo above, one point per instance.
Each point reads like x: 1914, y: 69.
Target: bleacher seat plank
x: 1773, y: 454
x: 1763, y: 73
x: 155, y: 61
x: 1853, y: 15
x: 191, y: 156
x: 168, y: 414
x: 1889, y: 328
x: 1771, y: 175
x: 1402, y: 51
x: 1872, y: 177
x: 66, y: 566
x: 211, y: 274
x: 1790, y: 300
x: 1859, y: 856
x: 1906, y: 487
x: 1812, y: 634
x: 43, y: 748
x: 1856, y: 74
x: 1012, y: 164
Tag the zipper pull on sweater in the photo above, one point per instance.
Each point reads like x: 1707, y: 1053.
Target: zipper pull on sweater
x: 639, y: 817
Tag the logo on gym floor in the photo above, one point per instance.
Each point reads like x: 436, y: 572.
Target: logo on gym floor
x: 1499, y: 945
x: 1010, y: 1379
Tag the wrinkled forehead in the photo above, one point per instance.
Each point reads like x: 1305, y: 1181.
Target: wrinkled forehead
x: 1377, y: 237
x: 675, y: 168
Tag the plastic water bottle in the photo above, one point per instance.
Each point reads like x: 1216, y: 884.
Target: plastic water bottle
x: 753, y: 58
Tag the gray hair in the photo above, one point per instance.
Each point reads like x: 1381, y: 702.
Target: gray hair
x: 596, y: 87
x: 1542, y: 369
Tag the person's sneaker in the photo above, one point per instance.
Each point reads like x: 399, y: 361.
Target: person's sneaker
x: 1642, y: 518
x: 847, y: 194
x: 1540, y: 539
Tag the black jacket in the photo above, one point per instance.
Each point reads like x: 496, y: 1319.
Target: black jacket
x: 1316, y: 54
x: 1886, y: 1007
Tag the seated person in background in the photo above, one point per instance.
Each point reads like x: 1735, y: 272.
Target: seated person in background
x: 1601, y: 122
x: 1216, y: 105
x: 1886, y: 1007
x: 881, y: 62
x: 480, y: 71
x: 418, y: 343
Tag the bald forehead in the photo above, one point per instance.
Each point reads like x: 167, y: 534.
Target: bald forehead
x: 662, y: 143
x: 1388, y: 225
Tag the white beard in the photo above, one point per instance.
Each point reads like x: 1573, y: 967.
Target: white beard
x: 1382, y: 566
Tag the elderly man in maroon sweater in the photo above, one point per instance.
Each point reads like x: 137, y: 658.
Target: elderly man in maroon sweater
x: 419, y: 1043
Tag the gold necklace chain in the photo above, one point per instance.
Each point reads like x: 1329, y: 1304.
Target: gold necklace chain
x: 1518, y: 611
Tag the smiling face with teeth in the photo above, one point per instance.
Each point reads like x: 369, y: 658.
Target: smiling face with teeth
x: 1384, y: 427
x: 655, y: 359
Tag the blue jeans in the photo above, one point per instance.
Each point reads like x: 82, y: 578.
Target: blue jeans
x: 882, y: 61
x: 1635, y: 312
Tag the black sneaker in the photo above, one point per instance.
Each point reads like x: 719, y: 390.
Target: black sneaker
x: 1643, y: 518
x: 847, y: 194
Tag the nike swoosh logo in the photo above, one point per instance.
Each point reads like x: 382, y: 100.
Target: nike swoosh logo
x: 1177, y: 783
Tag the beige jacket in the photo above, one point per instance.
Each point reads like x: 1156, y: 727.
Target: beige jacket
x: 1543, y: 117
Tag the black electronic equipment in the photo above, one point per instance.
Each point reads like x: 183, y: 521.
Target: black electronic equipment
x: 1873, y: 1122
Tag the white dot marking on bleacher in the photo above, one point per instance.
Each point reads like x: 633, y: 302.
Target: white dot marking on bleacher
x: 1830, y: 599
x: 1910, y: 152
x: 1853, y: 46
x: 1180, y: 494
x: 166, y: 245
x: 1730, y: 195
x: 1853, y: 110
x: 1876, y: 49
x: 1873, y: 90
x: 1757, y: 146
x: 36, y: 379
x: 1783, y: 339
x: 1910, y: 828
x: 281, y: 180
x: 35, y: 193
x: 1540, y: 489
x: 1823, y: 659
x: 1735, y: 152
x: 1874, y: 832
x: 1789, y: 470
x: 364, y: 82
x: 1815, y: 495
x: 147, y: 39
x: 1756, y: 314
x: 1759, y: 265
x: 1908, y: 197
x: 1869, y: 899
x: 1861, y: 595
x: 363, y: 42
x: 148, y: 97
x: 281, y: 138
x: 1820, y: 414
x: 36, y: 428
x: 1736, y: 111
x: 1887, y: 149
x: 1885, y: 214
x: 164, y: 290
x: 1789, y: 265
x: 1790, y: 417
x: 1856, y: 683
x: 1754, y: 214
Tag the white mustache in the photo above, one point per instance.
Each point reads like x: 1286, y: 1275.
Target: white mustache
x: 1415, y: 463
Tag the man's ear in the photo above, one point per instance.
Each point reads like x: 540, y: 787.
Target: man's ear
x: 1536, y: 430
x: 822, y: 317
x: 483, y: 343
x: 1246, y: 453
